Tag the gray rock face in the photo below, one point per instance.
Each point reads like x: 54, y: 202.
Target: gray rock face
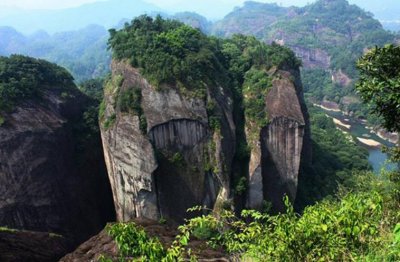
x: 313, y: 58
x: 178, y: 161
x: 179, y: 134
x: 45, y: 183
x: 283, y: 144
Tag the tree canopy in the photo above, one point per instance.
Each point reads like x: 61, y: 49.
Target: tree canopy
x: 380, y: 83
x: 24, y: 77
x: 169, y: 52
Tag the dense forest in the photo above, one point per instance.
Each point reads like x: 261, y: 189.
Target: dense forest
x: 23, y: 78
x: 329, y: 36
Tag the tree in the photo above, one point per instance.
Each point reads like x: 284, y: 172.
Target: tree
x: 379, y: 84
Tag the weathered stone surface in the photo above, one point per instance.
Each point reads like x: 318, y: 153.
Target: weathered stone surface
x: 17, y: 246
x: 312, y: 58
x: 282, y: 145
x: 46, y: 183
x: 103, y: 244
x: 178, y: 162
x: 131, y: 162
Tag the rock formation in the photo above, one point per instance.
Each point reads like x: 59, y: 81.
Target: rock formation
x: 16, y: 246
x: 277, y: 149
x: 50, y: 180
x: 165, y: 158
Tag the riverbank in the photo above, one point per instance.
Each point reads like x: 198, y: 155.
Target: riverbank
x: 369, y: 142
x: 329, y: 106
x: 340, y: 123
x: 358, y: 131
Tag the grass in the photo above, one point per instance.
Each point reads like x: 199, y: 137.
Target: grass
x: 8, y: 230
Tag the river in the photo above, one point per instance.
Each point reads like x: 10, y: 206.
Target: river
x: 377, y: 158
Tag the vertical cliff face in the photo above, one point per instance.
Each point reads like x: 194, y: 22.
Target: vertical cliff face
x: 281, y: 146
x: 49, y: 180
x: 164, y: 157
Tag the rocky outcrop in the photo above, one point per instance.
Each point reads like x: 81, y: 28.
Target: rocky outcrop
x: 17, y: 246
x: 169, y: 155
x: 313, y: 58
x: 104, y: 245
x: 52, y: 177
x: 280, y: 147
x: 164, y: 157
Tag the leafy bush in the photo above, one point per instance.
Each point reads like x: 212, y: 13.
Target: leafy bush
x: 133, y: 241
x: 353, y: 227
x: 110, y: 121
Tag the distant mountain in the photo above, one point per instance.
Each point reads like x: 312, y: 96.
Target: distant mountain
x: 194, y: 20
x: 83, y: 52
x: 251, y: 19
x: 107, y: 14
x: 328, y: 35
x: 387, y: 12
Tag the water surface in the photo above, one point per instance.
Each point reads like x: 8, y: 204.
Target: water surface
x: 377, y: 158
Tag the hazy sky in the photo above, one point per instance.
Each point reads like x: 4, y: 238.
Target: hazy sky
x: 213, y: 9
x: 43, y: 4
x: 51, y: 4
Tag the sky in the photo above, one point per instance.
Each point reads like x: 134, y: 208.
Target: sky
x: 212, y: 9
x: 54, y: 4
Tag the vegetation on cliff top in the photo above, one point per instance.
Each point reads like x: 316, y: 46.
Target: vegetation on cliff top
x: 169, y: 52
x: 23, y: 77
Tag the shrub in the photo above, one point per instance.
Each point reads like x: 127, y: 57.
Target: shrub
x: 133, y: 241
x: 109, y: 121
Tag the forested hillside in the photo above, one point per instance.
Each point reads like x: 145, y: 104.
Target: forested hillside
x: 83, y: 52
x: 328, y: 36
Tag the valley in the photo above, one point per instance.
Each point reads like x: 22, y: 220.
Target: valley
x: 132, y: 133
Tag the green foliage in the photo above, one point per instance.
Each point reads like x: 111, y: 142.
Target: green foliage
x: 255, y: 88
x: 241, y: 186
x: 330, y: 25
x: 356, y: 226
x: 202, y: 228
x: 334, y: 158
x: 93, y: 88
x: 110, y: 121
x: 360, y: 224
x: 2, y: 120
x: 129, y: 100
x: 380, y: 83
x: 133, y: 241
x: 8, y: 230
x: 23, y: 77
x: 318, y: 84
x: 168, y: 52
x: 102, y: 109
x: 177, y: 159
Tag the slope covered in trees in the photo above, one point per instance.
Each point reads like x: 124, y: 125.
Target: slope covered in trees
x: 23, y: 77
x: 327, y: 35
